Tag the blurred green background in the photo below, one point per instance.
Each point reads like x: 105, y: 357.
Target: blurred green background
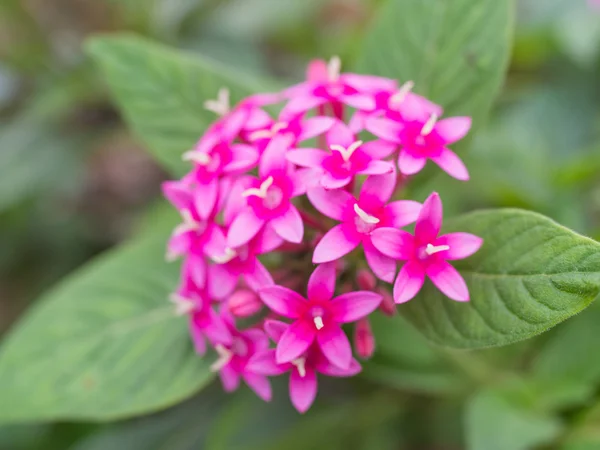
x: 73, y: 182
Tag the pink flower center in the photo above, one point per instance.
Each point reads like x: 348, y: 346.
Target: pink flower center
x: 426, y: 251
x: 364, y: 223
x: 317, y: 314
x: 239, y: 347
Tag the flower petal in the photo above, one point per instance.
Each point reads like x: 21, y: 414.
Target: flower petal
x: 451, y: 164
x: 304, y: 179
x: 447, y: 279
x: 328, y: 181
x: 382, y: 266
x: 326, y: 368
x: 273, y: 158
x: 259, y: 384
x: 340, y: 134
x: 377, y: 168
x: 221, y: 281
x: 289, y: 225
x: 397, y: 244
x: 197, y: 338
x: 453, y: 129
x: 215, y: 328
x: 321, y: 283
x: 408, y: 283
x: 462, y: 245
x: 303, y: 390
x: 236, y: 201
x: 275, y: 329
x: 244, y: 227
x: 359, y: 101
x: 335, y: 244
x: 379, y: 149
x: 307, y: 157
x: 430, y: 218
x: 267, y: 240
x: 332, y: 204
x: 354, y: 305
x: 410, y: 164
x: 230, y: 378
x: 335, y: 345
x: 283, y: 301
x: 403, y: 212
x: 177, y: 193
x: 259, y: 277
x: 263, y: 363
x: 300, y: 104
x: 243, y: 158
x: 315, y: 126
x: 385, y: 129
x: 379, y: 187
x: 295, y: 341
x: 205, y: 198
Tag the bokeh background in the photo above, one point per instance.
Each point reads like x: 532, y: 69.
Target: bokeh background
x: 73, y: 182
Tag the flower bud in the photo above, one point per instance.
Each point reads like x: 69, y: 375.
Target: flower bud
x: 387, y: 306
x: 364, y: 341
x: 244, y: 303
x: 365, y: 280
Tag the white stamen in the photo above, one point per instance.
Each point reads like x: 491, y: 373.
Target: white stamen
x: 367, y: 218
x: 333, y: 68
x: 267, y: 134
x: 200, y: 158
x: 220, y: 106
x: 318, y: 320
x: 432, y: 249
x: 300, y: 364
x: 259, y: 192
x: 428, y: 127
x: 224, y: 358
x: 183, y: 305
x: 346, y: 152
x: 399, y: 96
x: 226, y: 257
x: 188, y: 224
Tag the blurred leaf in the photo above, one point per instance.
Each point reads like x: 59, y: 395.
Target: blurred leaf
x: 162, y: 92
x: 494, y: 422
x: 456, y: 51
x: 530, y: 275
x: 105, y: 344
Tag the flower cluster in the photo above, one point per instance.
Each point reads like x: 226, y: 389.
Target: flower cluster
x: 257, y: 181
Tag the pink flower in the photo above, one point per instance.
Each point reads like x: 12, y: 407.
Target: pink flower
x: 359, y: 219
x: 244, y: 303
x: 318, y: 318
x: 364, y: 340
x: 423, y: 137
x: 268, y: 199
x: 426, y: 254
x: 303, y: 370
x: 233, y: 359
x: 348, y: 158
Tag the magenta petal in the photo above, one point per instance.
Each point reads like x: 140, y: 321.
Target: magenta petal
x: 340, y: 134
x: 205, y: 198
x: 379, y: 149
x: 447, y: 279
x: 215, y: 329
x: 303, y: 389
x: 397, y: 244
x: 410, y: 164
x: 385, y: 129
x: 229, y: 378
x: 197, y: 338
x: 236, y: 201
x: 244, y: 157
x: 304, y: 179
x: 307, y: 157
x: 275, y: 329
x: 328, y: 181
x: 354, y: 305
x: 283, y: 301
x: 335, y: 345
x: 321, y: 283
x: 244, y: 227
x: 263, y: 363
x: 326, y: 368
x: 451, y: 164
x: 334, y: 245
x: 403, y: 212
x: 359, y: 101
x: 221, y: 281
x: 377, y: 168
x: 430, y: 218
x: 453, y: 129
x: 177, y: 193
x: 295, y: 341
x: 259, y: 277
x: 289, y: 225
x: 267, y: 240
x: 300, y: 104
x: 382, y: 266
x: 215, y: 242
x: 379, y: 187
x: 259, y: 384
x: 332, y: 204
x: 273, y: 158
x: 197, y: 268
x: 462, y: 245
x: 409, y: 282
x: 315, y: 126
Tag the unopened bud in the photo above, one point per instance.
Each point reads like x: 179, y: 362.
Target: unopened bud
x: 364, y: 341
x: 244, y: 303
x: 366, y: 280
x: 387, y: 305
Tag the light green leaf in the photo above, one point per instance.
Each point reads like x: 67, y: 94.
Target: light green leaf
x: 456, y: 51
x: 162, y: 92
x: 104, y: 344
x: 530, y: 275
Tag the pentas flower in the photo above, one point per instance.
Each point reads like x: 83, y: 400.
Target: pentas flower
x: 303, y: 370
x: 318, y: 318
x: 268, y: 199
x: 424, y: 137
x: 359, y: 218
x: 426, y: 253
x: 347, y: 158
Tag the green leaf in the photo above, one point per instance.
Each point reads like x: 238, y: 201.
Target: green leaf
x: 104, y: 344
x: 455, y: 51
x: 530, y: 275
x: 494, y: 422
x: 162, y: 92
